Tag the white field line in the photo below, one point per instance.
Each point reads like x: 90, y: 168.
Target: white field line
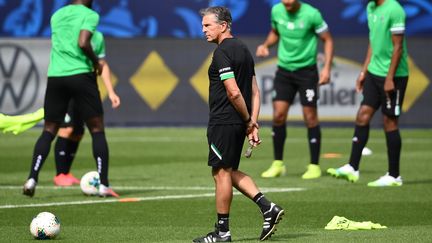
x: 120, y: 139
x: 138, y: 199
x: 288, y: 140
x: 123, y: 188
x: 142, y: 188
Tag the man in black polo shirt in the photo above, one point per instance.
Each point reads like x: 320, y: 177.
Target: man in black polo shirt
x: 234, y: 106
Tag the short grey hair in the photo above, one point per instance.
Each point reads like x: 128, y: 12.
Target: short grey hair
x: 222, y: 14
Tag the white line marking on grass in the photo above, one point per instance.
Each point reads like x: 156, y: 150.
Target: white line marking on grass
x: 139, y: 199
x: 143, y: 188
x: 288, y: 140
x: 125, y: 188
x: 114, y: 139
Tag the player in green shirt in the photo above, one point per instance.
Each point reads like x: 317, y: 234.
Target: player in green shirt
x: 383, y: 82
x: 296, y: 28
x: 72, y: 129
x: 72, y: 76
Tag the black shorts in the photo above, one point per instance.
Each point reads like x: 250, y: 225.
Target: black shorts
x: 73, y: 119
x: 374, y: 95
x: 82, y: 88
x: 225, y: 145
x: 304, y: 80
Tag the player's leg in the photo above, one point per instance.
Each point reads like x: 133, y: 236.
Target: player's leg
x: 280, y: 114
x: 307, y: 81
x: 279, y: 133
x: 271, y: 212
x: 87, y: 99
x: 391, y: 105
x: 66, y: 146
x: 394, y: 144
x: 350, y: 171
x: 361, y: 134
x: 283, y: 95
x: 223, y: 196
x: 371, y: 102
x: 100, y: 154
x: 222, y: 150
x: 55, y: 106
x: 314, y: 140
x: 40, y: 153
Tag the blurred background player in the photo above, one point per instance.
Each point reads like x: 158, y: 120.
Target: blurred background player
x: 234, y: 108
x: 296, y: 27
x: 72, y: 129
x: 72, y: 76
x: 383, y: 81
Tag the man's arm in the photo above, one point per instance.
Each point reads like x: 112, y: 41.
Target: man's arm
x: 272, y: 39
x: 236, y: 98
x: 253, y: 137
x: 362, y: 75
x: 106, y: 78
x: 256, y: 103
x: 328, y: 57
x: 85, y: 45
x: 397, y: 41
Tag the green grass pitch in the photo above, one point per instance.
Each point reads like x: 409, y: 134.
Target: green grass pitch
x: 165, y: 168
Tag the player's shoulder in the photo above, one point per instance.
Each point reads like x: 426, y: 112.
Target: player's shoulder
x: 278, y: 8
x: 75, y: 9
x: 231, y: 44
x: 392, y: 6
x: 309, y: 9
x: 228, y: 46
x: 395, y: 6
x: 88, y: 11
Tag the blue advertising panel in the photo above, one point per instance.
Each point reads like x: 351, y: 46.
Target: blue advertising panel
x: 181, y: 19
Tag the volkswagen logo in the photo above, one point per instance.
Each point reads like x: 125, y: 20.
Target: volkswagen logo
x: 19, y: 79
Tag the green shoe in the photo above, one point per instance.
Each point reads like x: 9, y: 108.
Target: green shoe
x: 276, y: 169
x: 346, y: 172
x: 313, y: 171
x: 386, y: 180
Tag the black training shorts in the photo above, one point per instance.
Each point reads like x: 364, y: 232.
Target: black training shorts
x: 73, y: 119
x: 304, y: 80
x: 225, y: 145
x: 374, y: 95
x: 82, y: 88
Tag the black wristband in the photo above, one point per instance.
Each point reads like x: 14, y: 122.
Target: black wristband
x: 248, y: 120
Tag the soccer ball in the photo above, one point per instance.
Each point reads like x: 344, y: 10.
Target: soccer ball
x: 45, y: 226
x: 366, y: 151
x: 90, y: 183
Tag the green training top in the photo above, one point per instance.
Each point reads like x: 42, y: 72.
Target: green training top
x: 297, y: 35
x: 67, y: 58
x: 384, y: 21
x: 98, y: 44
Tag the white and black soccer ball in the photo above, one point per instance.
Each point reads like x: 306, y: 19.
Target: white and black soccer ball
x: 45, y: 226
x: 90, y: 183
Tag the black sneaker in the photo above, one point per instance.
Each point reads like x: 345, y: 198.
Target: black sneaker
x: 214, y: 236
x: 271, y: 218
